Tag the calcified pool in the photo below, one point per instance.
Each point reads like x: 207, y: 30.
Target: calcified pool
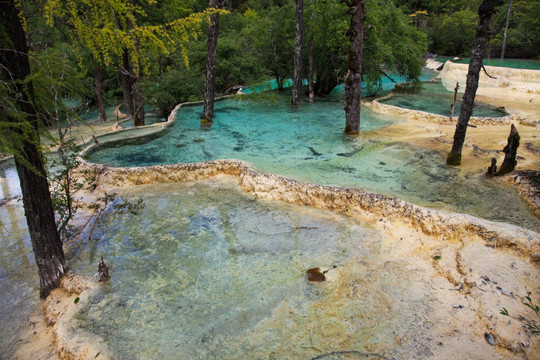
x: 208, y: 272
x: 436, y: 99
x: 309, y: 145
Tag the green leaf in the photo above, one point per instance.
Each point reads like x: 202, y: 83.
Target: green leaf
x: 76, y: 301
x: 437, y: 257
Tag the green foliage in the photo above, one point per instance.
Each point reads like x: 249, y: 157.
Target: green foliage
x: 239, y: 63
x: 524, y: 30
x: 453, y: 34
x: 107, y: 27
x: 530, y: 324
x: 451, y: 26
x: 330, y: 45
x: 66, y: 178
x: 173, y: 86
x: 269, y: 37
x: 437, y: 6
x: 55, y: 77
x: 391, y: 44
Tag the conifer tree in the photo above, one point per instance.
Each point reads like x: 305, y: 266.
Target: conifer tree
x: 18, y: 108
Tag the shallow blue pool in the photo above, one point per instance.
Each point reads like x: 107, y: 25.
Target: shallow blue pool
x: 309, y: 145
x: 436, y: 99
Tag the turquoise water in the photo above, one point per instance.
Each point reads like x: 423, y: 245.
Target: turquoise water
x: 435, y: 98
x: 208, y: 272
x: 529, y: 64
x: 309, y: 145
x: 387, y: 85
x: 93, y: 115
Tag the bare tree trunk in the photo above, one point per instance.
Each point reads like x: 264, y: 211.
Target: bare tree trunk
x: 298, y: 50
x: 207, y: 116
x: 99, y: 94
x: 505, y: 33
x: 127, y: 83
x: 454, y: 102
x: 38, y: 209
x: 139, y: 102
x: 485, y: 12
x: 310, y: 65
x: 353, y: 80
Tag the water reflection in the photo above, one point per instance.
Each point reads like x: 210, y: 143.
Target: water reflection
x: 19, y: 283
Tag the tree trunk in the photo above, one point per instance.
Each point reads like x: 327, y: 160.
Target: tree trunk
x: 485, y: 12
x: 505, y: 33
x: 510, y: 151
x: 138, y: 98
x: 127, y: 83
x: 207, y: 116
x: 326, y: 80
x: 454, y: 102
x: 139, y: 119
x: 99, y: 94
x: 353, y: 80
x: 298, y: 50
x: 310, y: 62
x: 35, y: 189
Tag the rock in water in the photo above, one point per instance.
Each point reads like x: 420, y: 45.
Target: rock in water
x: 315, y: 274
x: 103, y: 271
x: 489, y: 338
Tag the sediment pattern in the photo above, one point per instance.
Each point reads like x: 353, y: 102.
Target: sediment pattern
x: 410, y: 114
x: 355, y: 202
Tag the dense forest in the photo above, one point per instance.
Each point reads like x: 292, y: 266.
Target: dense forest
x: 154, y: 52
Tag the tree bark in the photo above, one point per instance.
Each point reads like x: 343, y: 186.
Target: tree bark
x: 353, y: 80
x: 454, y: 102
x: 310, y: 61
x: 39, y: 213
x: 485, y: 13
x: 207, y: 116
x: 505, y: 32
x: 127, y: 83
x: 510, y: 151
x: 298, y: 50
x: 139, y: 118
x: 99, y: 94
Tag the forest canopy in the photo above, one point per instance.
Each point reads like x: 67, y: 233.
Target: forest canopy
x: 157, y: 49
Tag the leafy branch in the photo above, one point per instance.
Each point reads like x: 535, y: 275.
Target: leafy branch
x: 531, y: 324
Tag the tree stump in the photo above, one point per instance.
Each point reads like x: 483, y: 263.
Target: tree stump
x: 315, y: 274
x: 510, y: 151
x: 492, y: 169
